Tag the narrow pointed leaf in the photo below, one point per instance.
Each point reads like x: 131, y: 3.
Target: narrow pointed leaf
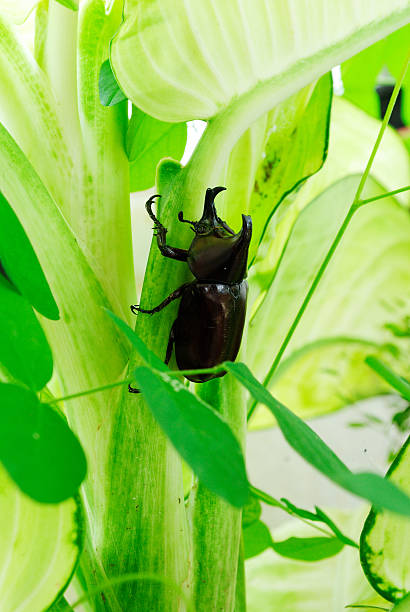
x: 200, y: 435
x: 320, y: 516
x: 24, y: 349
x: 37, y: 447
x: 20, y: 262
x: 312, y: 448
x: 397, y: 382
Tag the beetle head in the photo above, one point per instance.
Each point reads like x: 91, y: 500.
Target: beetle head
x: 217, y: 254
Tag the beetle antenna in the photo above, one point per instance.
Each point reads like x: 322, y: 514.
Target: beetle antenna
x: 181, y: 218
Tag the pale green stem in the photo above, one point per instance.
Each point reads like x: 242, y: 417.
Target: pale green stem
x: 354, y: 206
x: 216, y: 526
x: 388, y: 194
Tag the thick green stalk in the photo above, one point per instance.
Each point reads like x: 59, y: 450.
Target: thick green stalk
x: 216, y: 526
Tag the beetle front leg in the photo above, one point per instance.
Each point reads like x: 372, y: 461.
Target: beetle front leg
x: 135, y: 308
x: 161, y: 232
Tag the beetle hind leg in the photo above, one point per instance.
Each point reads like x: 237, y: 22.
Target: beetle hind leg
x: 170, y: 345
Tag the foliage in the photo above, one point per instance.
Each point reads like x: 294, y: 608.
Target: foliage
x: 69, y: 155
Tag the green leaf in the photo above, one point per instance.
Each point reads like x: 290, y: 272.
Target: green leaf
x: 24, y: 349
x: 308, y: 549
x: 403, y: 605
x: 62, y: 605
x: 20, y: 262
x: 200, y: 435
x: 256, y: 539
x: 196, y: 61
x: 320, y: 516
x: 312, y: 448
x: 40, y: 547
x: 147, y: 356
x: 149, y: 140
x: 251, y: 511
x: 384, y: 552
x: 70, y: 4
x: 295, y: 147
x: 37, y: 447
x: 110, y: 92
x: 397, y: 382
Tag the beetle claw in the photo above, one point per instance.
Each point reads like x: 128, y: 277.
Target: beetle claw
x: 152, y: 198
x: 134, y: 308
x: 133, y: 390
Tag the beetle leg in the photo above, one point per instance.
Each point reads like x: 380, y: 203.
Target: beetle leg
x: 168, y: 354
x: 135, y: 308
x: 170, y: 344
x: 161, y: 232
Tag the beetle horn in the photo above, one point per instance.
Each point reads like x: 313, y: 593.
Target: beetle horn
x: 209, y: 215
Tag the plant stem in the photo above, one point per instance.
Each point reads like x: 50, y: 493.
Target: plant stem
x: 88, y: 392
x: 216, y: 525
x: 354, y: 206
x: 388, y: 194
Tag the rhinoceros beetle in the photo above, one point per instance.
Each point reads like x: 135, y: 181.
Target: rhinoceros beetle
x: 209, y: 325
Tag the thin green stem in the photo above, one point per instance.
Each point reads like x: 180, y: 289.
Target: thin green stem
x: 88, y: 392
x: 382, y: 129
x: 271, y: 501
x: 354, y: 206
x: 388, y: 194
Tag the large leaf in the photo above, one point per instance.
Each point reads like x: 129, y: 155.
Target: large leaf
x: 21, y: 264
x: 199, y: 434
x: 288, y: 585
x: 37, y: 447
x: 363, y: 290
x: 384, y: 550
x: 149, y: 140
x: 24, y: 349
x: 315, y: 451
x: 274, y: 155
x: 179, y: 61
x: 39, y: 548
x: 351, y: 131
